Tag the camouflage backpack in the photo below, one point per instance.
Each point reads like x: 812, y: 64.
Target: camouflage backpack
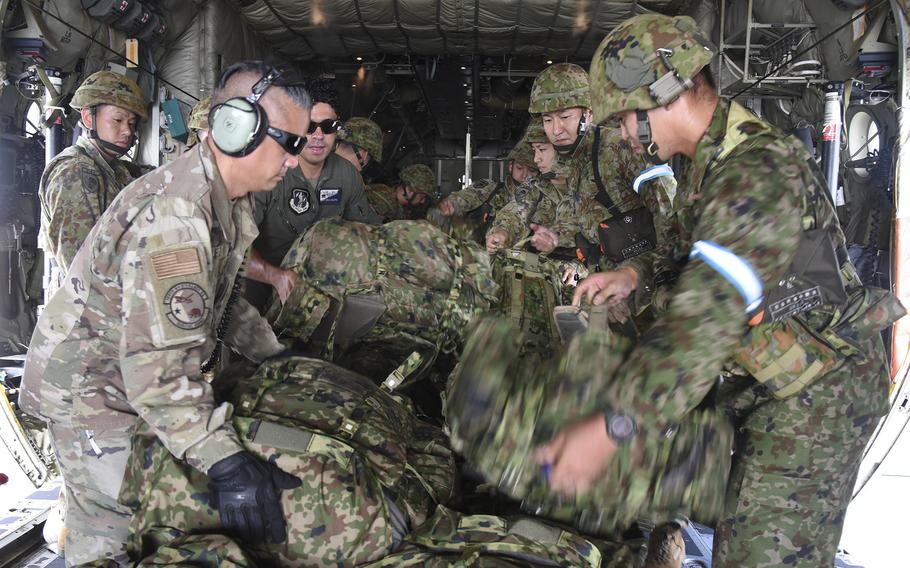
x: 530, y: 287
x: 500, y: 409
x: 453, y: 539
x: 369, y: 467
x: 369, y: 297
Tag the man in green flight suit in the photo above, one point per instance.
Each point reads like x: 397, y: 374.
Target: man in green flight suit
x: 324, y: 186
x: 82, y: 180
x: 805, y: 377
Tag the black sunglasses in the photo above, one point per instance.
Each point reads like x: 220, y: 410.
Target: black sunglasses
x: 292, y: 143
x: 328, y: 126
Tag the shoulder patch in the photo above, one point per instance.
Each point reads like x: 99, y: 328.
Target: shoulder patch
x: 90, y: 181
x: 186, y: 305
x: 179, y: 262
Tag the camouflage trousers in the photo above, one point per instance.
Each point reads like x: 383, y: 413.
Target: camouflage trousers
x: 93, y: 464
x: 795, y: 466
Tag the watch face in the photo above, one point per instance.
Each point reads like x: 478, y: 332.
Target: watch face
x: 621, y: 427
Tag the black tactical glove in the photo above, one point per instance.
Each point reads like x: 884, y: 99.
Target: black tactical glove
x: 246, y: 492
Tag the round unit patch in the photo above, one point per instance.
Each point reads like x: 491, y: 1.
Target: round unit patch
x: 186, y: 305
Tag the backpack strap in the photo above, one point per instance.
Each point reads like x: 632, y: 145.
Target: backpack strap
x: 602, y: 196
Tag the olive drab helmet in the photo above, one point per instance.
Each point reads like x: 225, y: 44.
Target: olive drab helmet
x: 646, y: 62
x: 559, y: 86
x: 365, y: 133
x: 109, y: 88
x: 420, y: 178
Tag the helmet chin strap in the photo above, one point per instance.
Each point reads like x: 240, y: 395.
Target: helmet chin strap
x: 114, y: 149
x: 548, y: 176
x: 644, y: 137
x: 580, y: 133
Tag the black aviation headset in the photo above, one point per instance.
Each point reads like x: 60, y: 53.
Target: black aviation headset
x: 239, y: 125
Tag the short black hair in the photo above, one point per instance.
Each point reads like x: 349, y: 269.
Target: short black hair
x: 294, y: 88
x: 323, y: 91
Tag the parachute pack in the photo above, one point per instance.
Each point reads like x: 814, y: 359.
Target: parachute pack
x: 370, y: 469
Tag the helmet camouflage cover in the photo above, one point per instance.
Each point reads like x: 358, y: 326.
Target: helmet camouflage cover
x: 522, y: 152
x: 199, y: 116
x: 646, y: 62
x: 109, y: 88
x: 363, y: 132
x: 559, y: 86
x: 419, y: 177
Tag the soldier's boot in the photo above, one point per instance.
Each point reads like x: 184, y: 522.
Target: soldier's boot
x: 666, y: 547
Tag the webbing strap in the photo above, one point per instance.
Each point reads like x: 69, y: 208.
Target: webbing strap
x: 403, y: 371
x: 602, y: 196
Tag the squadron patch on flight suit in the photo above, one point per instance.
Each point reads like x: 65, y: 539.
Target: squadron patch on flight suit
x: 181, y: 300
x: 299, y: 201
x: 90, y: 181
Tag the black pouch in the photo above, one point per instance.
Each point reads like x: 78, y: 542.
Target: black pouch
x: 627, y: 235
x: 814, y: 279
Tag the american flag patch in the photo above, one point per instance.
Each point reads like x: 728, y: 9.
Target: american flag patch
x: 172, y: 263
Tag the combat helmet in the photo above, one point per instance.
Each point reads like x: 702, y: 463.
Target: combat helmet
x: 199, y: 116
x: 535, y: 132
x: 559, y: 86
x: 646, y: 62
x: 419, y: 177
x: 365, y: 133
x: 109, y: 88
x: 522, y: 152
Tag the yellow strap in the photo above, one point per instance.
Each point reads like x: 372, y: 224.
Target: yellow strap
x: 804, y: 379
x: 780, y: 365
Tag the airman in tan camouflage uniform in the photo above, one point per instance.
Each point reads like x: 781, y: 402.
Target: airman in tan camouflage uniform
x: 150, y: 298
x: 82, y: 180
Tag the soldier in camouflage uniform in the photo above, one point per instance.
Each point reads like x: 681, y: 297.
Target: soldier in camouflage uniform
x: 82, y: 180
x: 360, y: 142
x: 541, y: 201
x: 804, y: 386
x: 561, y: 97
x: 415, y: 188
x: 488, y: 196
x: 198, y: 122
x: 144, y: 310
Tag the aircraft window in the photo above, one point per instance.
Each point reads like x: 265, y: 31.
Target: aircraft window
x: 33, y: 120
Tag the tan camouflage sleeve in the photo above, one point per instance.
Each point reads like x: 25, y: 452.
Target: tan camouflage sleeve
x: 166, y: 324
x: 515, y: 216
x: 70, y: 214
x: 681, y: 356
x: 473, y: 196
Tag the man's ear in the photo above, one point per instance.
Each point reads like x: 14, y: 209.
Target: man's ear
x: 86, y: 116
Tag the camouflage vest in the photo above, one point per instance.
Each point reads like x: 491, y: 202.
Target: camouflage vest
x: 791, y: 352
x: 453, y: 539
x: 371, y: 296
x: 499, y: 410
x: 369, y: 467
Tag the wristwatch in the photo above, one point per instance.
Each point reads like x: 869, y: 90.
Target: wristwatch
x: 621, y: 428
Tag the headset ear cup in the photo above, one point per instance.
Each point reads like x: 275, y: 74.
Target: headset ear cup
x: 237, y: 126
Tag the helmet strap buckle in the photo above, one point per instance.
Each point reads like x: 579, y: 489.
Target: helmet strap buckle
x: 114, y: 149
x: 644, y: 138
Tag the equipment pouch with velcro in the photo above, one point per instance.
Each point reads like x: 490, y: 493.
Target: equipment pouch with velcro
x: 814, y: 279
x: 787, y: 356
x: 627, y: 235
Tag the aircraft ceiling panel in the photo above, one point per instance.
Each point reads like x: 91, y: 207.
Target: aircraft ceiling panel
x: 347, y: 28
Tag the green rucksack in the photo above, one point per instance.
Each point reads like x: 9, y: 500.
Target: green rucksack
x: 453, y: 539
x: 499, y: 409
x: 368, y: 297
x: 369, y: 467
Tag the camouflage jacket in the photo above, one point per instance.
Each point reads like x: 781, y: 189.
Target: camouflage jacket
x: 748, y: 189
x: 76, y: 188
x: 485, y: 192
x: 384, y: 203
x: 618, y: 167
x: 543, y: 202
x: 125, y: 337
